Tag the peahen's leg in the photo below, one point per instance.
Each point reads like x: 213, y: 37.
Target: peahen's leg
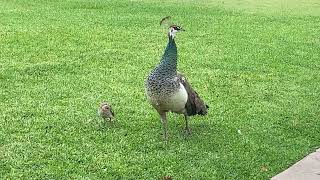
x: 187, y: 129
x: 164, y: 121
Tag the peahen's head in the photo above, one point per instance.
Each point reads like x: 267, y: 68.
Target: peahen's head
x: 173, y: 29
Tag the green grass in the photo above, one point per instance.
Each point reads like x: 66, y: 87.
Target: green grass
x: 256, y: 65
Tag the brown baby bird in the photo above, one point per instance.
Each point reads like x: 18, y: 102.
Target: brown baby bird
x: 105, y: 111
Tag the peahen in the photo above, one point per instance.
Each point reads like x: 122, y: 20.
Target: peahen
x: 167, y: 90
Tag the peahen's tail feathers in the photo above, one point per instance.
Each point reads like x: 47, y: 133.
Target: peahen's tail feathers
x: 195, y: 105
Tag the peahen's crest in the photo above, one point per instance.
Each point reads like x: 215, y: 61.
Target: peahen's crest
x: 166, y: 22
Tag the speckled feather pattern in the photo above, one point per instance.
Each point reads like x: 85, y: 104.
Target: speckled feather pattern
x: 162, y: 81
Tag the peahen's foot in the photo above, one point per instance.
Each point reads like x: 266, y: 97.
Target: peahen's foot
x: 165, y: 138
x: 187, y: 131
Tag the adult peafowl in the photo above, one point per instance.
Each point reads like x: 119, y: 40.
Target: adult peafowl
x: 167, y: 90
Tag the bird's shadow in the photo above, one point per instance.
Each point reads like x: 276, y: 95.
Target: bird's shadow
x: 104, y: 125
x: 200, y: 130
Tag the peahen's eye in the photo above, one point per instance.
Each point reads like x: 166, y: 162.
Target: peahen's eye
x: 177, y: 28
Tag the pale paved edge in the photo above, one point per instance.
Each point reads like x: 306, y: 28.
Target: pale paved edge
x: 306, y: 169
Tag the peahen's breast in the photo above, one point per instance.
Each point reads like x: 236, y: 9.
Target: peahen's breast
x: 169, y: 99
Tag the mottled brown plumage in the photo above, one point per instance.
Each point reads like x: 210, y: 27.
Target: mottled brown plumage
x: 105, y: 111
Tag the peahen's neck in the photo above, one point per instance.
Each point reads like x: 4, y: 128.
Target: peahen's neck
x: 169, y: 59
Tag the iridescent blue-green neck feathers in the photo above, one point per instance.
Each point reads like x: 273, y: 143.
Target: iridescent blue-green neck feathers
x: 168, y: 64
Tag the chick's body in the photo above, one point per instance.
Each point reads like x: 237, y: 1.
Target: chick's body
x: 106, y: 112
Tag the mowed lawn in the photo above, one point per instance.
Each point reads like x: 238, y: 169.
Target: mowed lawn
x: 257, y: 65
